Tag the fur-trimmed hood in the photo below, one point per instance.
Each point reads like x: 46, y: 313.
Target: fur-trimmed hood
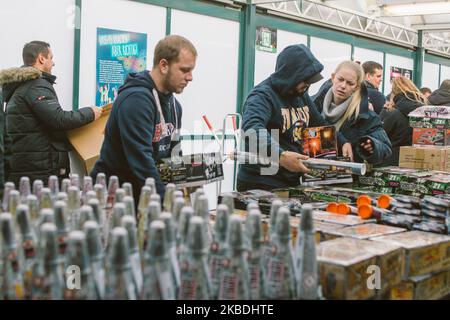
x: 12, y: 78
x: 14, y: 75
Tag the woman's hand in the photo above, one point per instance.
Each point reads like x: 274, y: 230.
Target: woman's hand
x: 347, y: 151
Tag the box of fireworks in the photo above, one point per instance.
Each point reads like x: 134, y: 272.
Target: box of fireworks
x: 331, y: 194
x: 366, y: 231
x: 413, y: 183
x: 319, y: 142
x: 426, y: 287
x: 425, y: 252
x: 438, y: 183
x: 430, y: 117
x: 345, y: 220
x: 430, y: 137
x: 323, y: 230
x: 343, y: 269
x: 425, y: 158
x: 264, y: 199
x: 87, y: 140
x: 193, y: 169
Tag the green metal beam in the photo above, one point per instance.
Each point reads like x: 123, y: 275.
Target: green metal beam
x: 439, y: 77
x: 196, y: 6
x: 168, y: 21
x: 384, y: 72
x: 418, y: 61
x: 352, y: 54
x: 248, y: 58
x: 437, y: 59
x: 76, y: 57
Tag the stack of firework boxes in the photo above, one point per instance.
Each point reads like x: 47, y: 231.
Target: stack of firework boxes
x: 431, y: 139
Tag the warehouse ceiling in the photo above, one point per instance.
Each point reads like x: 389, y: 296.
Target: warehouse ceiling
x: 432, y: 16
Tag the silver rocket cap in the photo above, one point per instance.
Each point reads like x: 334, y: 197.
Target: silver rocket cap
x: 86, y: 214
x: 7, y: 230
x: 155, y: 197
x: 120, y: 194
x: 166, y: 217
x: 61, y: 217
x: 120, y: 249
x: 252, y: 206
x: 157, y: 247
x: 253, y: 229
x: 62, y: 196
x: 94, y: 244
x: 221, y: 223
x: 87, y: 184
x: 235, y: 238
x: 168, y: 196
x: 24, y: 187
x: 282, y: 226
x: 196, y: 240
x: 154, y: 211
x: 48, y: 245
x: 178, y: 204
x: 101, y: 179
x: 46, y: 198
x: 307, y: 223
x: 183, y: 224
x: 276, y: 205
x: 129, y: 223
x: 128, y: 187
x: 118, y: 212
x: 65, y: 185
x: 75, y: 180
x: 129, y: 205
x: 23, y: 220
x: 38, y: 185
x: 77, y: 253
x: 113, y: 185
x: 53, y: 185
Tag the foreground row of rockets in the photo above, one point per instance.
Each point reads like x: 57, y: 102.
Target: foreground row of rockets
x: 87, y: 242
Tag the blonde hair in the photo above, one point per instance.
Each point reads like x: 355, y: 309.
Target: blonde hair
x: 404, y: 85
x: 353, y: 108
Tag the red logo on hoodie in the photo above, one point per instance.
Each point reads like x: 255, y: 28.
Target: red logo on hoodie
x: 158, y: 133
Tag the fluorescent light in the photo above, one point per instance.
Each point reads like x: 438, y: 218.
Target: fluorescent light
x: 417, y: 9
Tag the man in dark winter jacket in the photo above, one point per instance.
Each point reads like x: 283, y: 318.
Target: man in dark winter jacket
x: 441, y: 97
x: 145, y: 117
x: 35, y: 121
x: 275, y: 112
x: 373, y: 75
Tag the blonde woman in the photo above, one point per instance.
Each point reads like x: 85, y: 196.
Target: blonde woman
x: 405, y: 97
x: 345, y: 105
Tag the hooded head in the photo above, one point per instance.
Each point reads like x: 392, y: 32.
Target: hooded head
x: 295, y: 64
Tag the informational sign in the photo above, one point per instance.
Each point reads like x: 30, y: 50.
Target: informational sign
x: 397, y: 72
x: 266, y: 39
x: 118, y: 54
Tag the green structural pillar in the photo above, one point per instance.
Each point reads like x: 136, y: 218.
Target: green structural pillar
x: 248, y: 38
x: 76, y: 56
x: 418, y: 61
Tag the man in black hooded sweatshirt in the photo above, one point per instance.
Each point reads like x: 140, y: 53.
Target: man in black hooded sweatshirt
x: 145, y: 117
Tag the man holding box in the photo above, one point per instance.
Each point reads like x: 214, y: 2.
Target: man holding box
x: 145, y: 117
x: 35, y: 122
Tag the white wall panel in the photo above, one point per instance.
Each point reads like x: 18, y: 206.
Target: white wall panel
x: 395, y: 61
x: 430, y: 75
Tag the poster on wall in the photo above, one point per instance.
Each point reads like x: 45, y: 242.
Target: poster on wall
x: 118, y: 54
x: 397, y: 72
x: 266, y: 39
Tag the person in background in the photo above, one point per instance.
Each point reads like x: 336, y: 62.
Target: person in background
x: 405, y: 98
x: 346, y: 106
x: 441, y: 97
x: 145, y: 118
x: 426, y: 92
x: 36, y: 124
x: 373, y: 73
x: 373, y: 76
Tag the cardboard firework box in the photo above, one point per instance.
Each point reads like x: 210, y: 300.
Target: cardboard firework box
x: 343, y: 264
x: 426, y: 287
x: 322, y: 230
x: 430, y: 117
x: 321, y: 143
x: 425, y: 252
x: 182, y: 170
x: 390, y: 259
x: 422, y: 157
x: 430, y: 137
